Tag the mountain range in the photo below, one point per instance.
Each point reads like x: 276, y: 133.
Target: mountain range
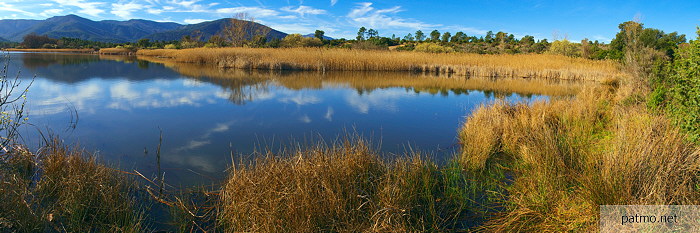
x: 74, y: 26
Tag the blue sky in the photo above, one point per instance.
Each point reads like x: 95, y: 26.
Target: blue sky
x: 575, y: 20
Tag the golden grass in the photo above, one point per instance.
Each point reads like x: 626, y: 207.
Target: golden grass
x: 367, y: 81
x: 570, y: 156
x: 116, y: 51
x: 62, y: 189
x: 323, y: 59
x: 53, y: 50
x: 338, y: 188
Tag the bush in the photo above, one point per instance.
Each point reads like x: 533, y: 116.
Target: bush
x: 564, y: 47
x: 170, y: 46
x: 297, y: 40
x: 433, y: 48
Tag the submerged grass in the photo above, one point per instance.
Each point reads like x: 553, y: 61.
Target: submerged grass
x: 322, y: 59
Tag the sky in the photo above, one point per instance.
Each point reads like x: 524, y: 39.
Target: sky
x: 573, y: 20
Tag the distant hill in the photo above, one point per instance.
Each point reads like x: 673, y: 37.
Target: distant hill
x: 77, y: 27
x: 3, y: 40
x: 312, y: 35
x: 206, y: 30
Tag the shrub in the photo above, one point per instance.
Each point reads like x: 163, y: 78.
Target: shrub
x: 433, y: 48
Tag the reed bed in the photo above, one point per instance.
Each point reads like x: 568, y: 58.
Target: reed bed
x: 65, y: 190
x: 53, y: 50
x: 116, y: 51
x: 568, y: 157
x: 367, y: 81
x: 323, y: 59
x: 343, y: 187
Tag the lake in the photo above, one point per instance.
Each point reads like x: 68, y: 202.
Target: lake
x: 117, y: 106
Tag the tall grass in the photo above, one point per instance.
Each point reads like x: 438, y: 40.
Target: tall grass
x: 66, y: 190
x: 367, y: 81
x: 343, y: 187
x: 321, y: 59
x: 568, y: 157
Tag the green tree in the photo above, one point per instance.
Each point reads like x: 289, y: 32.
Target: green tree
x: 446, y: 37
x: 435, y: 36
x: 372, y: 34
x: 420, y: 36
x: 409, y: 37
x: 489, y: 37
x: 685, y: 91
x: 319, y: 34
x: 143, y: 43
x: 459, y: 37
x: 361, y: 33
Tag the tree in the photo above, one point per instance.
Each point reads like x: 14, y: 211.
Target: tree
x: 361, y: 33
x: 409, y: 37
x: 420, y: 36
x: 297, y: 40
x: 319, y: 34
x: 33, y: 41
x: 489, y: 37
x: 372, y: 34
x: 564, y: 47
x: 459, y: 37
x: 12, y: 102
x: 143, y: 43
x: 435, y: 36
x: 446, y: 37
x: 241, y: 28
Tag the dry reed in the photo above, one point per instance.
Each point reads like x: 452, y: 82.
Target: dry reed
x: 322, y: 59
x: 570, y: 156
x: 367, y: 81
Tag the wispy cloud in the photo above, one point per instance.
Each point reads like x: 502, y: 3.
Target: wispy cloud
x: 194, y: 21
x: 304, y: 10
x: 12, y: 8
x: 125, y: 10
x: 366, y: 15
x: 89, y: 8
x: 333, y: 2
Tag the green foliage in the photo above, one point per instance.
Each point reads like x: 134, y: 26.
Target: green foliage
x: 420, y: 36
x: 435, y: 36
x: 170, y: 46
x: 297, y: 40
x: 33, y: 41
x: 564, y: 47
x: 433, y: 48
x: 684, y: 94
x: 319, y: 34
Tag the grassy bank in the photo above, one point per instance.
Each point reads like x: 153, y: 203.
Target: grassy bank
x: 568, y: 157
x: 319, y: 59
x: 66, y: 190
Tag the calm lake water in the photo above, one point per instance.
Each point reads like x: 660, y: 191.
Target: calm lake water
x: 118, y: 105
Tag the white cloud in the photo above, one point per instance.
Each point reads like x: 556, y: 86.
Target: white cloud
x: 305, y: 118
x: 304, y: 10
x: 12, y: 8
x: 88, y: 8
x: 125, y: 10
x: 194, y: 21
x: 252, y: 11
x: 300, y: 99
x: 50, y: 12
x: 329, y: 114
x: 333, y: 2
x: 366, y: 15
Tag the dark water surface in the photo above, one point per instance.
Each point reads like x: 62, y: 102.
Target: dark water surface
x: 206, y: 113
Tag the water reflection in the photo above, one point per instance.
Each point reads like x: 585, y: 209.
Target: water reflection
x: 207, y: 112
